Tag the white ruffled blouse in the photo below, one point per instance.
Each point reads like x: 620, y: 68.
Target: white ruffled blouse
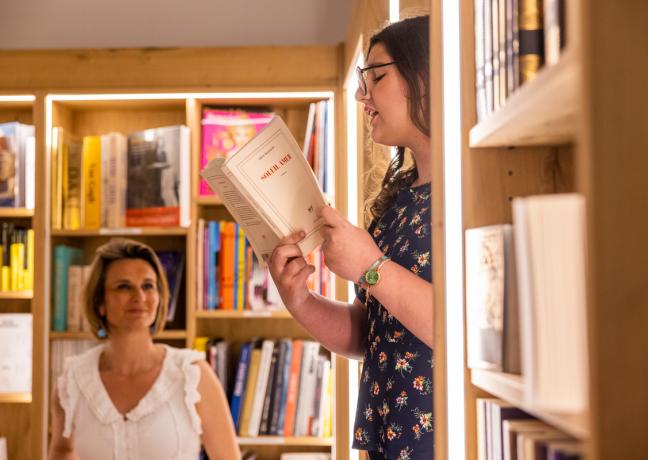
x: 164, y: 424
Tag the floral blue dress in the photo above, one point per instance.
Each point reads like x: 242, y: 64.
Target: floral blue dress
x: 395, y: 410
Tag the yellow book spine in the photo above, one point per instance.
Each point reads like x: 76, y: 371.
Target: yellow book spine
x: 240, y: 270
x: 250, y: 386
x: 5, y: 278
x: 17, y: 262
x: 92, y: 181
x: 29, y: 272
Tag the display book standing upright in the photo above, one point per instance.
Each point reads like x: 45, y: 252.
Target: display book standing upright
x: 534, y: 163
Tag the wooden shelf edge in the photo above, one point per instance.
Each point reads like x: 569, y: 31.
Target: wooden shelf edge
x: 16, y: 212
x: 20, y: 398
x: 542, y: 112
x: 285, y: 441
x: 126, y: 231
x: 246, y: 314
x: 165, y: 335
x: 208, y: 201
x: 510, y: 388
x: 16, y: 295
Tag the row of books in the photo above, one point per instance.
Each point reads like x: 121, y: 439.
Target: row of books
x: 513, y: 40
x: 505, y: 432
x: 316, y: 142
x: 525, y: 300
x: 15, y: 352
x: 231, y: 278
x: 116, y: 180
x: 70, y: 275
x: 280, y: 387
x: 16, y: 258
x: 17, y: 165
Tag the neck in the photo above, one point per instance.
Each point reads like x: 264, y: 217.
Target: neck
x: 128, y: 354
x: 423, y: 157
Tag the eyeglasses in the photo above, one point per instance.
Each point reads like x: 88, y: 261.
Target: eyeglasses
x: 362, y: 84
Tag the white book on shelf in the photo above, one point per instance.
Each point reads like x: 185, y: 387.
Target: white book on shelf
x: 261, y: 386
x: 549, y: 232
x: 15, y: 353
x: 307, y: 382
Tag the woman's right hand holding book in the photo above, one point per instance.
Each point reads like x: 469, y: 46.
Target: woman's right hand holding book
x: 290, y: 271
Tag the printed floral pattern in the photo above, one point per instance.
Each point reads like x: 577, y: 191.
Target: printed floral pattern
x: 394, y: 414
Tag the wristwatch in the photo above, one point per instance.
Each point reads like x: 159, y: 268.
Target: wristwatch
x: 372, y: 276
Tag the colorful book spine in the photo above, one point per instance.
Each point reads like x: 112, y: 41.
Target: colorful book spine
x: 236, y: 402
x: 531, y: 39
x: 91, y: 183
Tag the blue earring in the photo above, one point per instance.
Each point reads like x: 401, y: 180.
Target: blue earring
x: 102, y: 333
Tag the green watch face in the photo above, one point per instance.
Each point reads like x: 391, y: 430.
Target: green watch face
x: 372, y: 277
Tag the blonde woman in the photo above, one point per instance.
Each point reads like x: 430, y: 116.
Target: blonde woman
x: 128, y: 397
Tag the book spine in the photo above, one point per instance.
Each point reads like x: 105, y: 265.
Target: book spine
x: 264, y: 426
x: 293, y: 388
x: 260, y: 390
x: 59, y: 307
x: 531, y: 39
x: 488, y: 56
x: 239, y: 384
x: 278, y: 382
x: 281, y: 413
x: 92, y: 181
x: 480, y: 95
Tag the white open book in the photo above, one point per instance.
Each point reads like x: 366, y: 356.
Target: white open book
x: 270, y: 190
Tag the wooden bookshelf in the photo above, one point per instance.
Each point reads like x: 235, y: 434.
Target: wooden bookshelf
x: 247, y: 314
x: 285, y: 441
x: 208, y: 201
x: 542, y: 112
x: 126, y: 232
x: 164, y: 335
x: 510, y: 387
x: 574, y: 128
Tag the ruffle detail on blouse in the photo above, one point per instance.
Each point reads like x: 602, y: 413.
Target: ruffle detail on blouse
x: 68, y: 394
x: 192, y: 379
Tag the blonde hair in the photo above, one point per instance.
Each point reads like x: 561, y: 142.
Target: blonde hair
x: 119, y: 249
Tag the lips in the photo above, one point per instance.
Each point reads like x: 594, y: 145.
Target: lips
x: 371, y: 112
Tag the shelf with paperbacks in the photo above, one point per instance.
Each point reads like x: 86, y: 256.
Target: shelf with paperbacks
x: 15, y: 398
x: 510, y: 388
x: 172, y: 334
x: 543, y: 111
x: 16, y: 295
x: 285, y: 441
x: 123, y: 231
x: 9, y: 213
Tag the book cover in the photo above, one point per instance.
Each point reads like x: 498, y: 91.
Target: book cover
x: 258, y: 186
x: 485, y: 297
x: 158, y: 177
x: 15, y: 353
x: 550, y: 248
x: 224, y: 132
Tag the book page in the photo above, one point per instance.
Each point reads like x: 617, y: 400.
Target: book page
x: 272, y: 171
x: 262, y: 237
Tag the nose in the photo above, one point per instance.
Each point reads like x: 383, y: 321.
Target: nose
x: 361, y: 97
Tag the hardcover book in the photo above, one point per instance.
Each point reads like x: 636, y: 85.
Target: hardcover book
x: 158, y: 177
x: 270, y: 190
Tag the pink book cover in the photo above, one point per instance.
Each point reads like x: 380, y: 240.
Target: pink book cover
x: 226, y: 131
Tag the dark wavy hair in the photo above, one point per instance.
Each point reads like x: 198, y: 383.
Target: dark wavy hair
x: 407, y: 42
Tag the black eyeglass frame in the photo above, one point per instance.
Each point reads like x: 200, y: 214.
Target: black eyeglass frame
x: 362, y: 84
